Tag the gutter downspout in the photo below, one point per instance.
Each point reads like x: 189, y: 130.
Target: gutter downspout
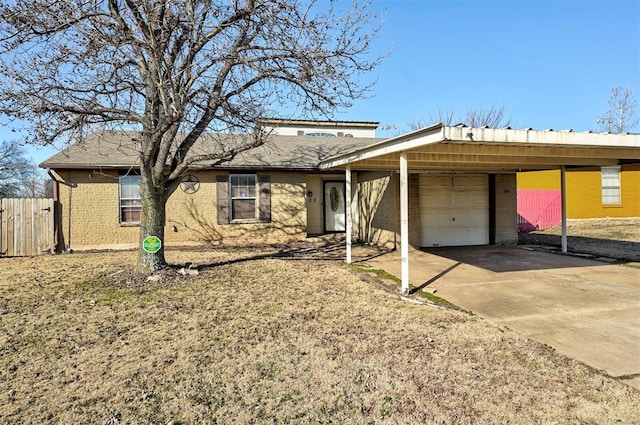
x: 56, y: 199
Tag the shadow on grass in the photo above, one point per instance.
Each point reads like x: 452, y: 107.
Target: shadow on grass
x: 394, y: 287
x: 333, y: 251
x: 620, y: 250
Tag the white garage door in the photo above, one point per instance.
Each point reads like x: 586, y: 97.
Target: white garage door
x: 454, y: 210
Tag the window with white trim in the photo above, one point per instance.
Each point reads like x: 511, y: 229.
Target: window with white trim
x: 610, y: 185
x: 130, y: 201
x: 243, y: 196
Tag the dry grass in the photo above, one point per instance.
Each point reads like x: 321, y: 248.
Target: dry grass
x: 620, y: 229
x: 617, y: 238
x: 268, y: 341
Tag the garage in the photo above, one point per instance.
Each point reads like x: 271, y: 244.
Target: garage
x: 457, y: 184
x: 454, y: 210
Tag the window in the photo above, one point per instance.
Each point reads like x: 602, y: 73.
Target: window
x: 611, y: 185
x: 130, y: 202
x: 320, y: 134
x: 243, y: 196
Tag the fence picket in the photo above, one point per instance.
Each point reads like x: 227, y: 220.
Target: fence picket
x: 26, y: 226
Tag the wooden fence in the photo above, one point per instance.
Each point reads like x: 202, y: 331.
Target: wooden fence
x: 26, y: 226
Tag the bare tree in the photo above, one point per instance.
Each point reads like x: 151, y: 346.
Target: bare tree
x: 36, y: 183
x: 175, y: 69
x: 19, y: 176
x: 493, y: 116
x: 621, y: 116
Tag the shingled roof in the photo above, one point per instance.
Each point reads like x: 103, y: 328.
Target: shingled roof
x: 118, y: 149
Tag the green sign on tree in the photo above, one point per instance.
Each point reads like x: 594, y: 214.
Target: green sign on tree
x: 152, y: 244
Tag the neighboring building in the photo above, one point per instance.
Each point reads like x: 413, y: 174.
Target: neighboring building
x: 592, y: 192
x: 457, y: 187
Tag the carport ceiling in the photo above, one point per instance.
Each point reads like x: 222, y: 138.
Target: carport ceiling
x: 444, y: 148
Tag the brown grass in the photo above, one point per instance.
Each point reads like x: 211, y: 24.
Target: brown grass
x: 617, y: 238
x: 268, y: 341
x: 621, y: 229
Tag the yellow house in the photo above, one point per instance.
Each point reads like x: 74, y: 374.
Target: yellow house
x: 596, y: 192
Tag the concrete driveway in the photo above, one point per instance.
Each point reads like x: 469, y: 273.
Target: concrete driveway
x: 585, y: 309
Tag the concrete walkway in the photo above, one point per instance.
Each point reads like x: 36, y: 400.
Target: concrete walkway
x: 585, y: 309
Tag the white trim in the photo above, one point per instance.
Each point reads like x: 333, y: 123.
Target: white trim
x: 404, y: 221
x: 232, y: 198
x: 348, y: 199
x: 440, y: 133
x: 131, y: 207
x: 605, y: 185
x: 545, y: 137
x: 409, y: 141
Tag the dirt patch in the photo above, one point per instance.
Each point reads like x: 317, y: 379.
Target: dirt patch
x: 613, y: 238
x: 252, y: 339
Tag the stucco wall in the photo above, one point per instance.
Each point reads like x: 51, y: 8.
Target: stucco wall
x: 584, y: 191
x: 315, y: 203
x: 90, y: 212
x: 191, y: 218
x: 377, y: 208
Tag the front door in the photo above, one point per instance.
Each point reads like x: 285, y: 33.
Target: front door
x: 335, y: 212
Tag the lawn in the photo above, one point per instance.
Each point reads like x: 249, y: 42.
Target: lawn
x: 268, y: 341
x: 617, y: 238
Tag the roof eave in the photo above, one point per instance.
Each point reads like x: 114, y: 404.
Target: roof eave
x: 193, y: 168
x: 362, y: 124
x: 541, y: 137
x: 427, y: 135
x: 473, y: 135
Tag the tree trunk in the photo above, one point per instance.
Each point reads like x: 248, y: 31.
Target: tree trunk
x: 152, y: 224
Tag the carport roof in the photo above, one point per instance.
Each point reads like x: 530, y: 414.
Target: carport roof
x: 459, y: 148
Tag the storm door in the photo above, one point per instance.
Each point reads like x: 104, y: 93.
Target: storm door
x: 334, y: 206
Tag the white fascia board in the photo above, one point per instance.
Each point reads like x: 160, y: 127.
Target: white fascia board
x: 440, y: 133
x: 406, y: 142
x: 546, y: 137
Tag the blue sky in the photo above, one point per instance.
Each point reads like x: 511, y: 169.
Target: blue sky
x: 550, y: 64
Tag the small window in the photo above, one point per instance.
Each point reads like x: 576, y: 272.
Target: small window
x: 611, y: 185
x: 130, y: 202
x: 320, y: 134
x: 243, y: 196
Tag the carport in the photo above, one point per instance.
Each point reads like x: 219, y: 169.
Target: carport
x: 462, y: 155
